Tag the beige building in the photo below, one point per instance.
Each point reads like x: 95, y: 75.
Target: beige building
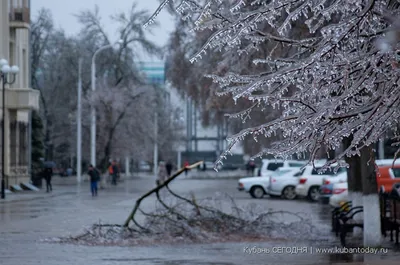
x: 20, y: 98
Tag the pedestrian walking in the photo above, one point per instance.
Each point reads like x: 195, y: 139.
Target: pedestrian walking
x: 169, y: 167
x: 47, y: 174
x: 186, y: 164
x: 251, y: 166
x: 162, y: 173
x: 94, y: 178
x: 110, y: 172
x: 114, y: 173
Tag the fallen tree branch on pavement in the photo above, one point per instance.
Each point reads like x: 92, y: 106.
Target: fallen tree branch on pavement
x: 131, y: 217
x: 179, y: 218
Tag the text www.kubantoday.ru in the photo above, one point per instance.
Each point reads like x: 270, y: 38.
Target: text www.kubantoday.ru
x: 313, y: 250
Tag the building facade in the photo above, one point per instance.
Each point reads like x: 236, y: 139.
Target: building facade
x: 200, y: 142
x: 20, y: 98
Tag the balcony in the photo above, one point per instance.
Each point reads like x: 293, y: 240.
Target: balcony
x: 21, y: 98
x: 19, y: 17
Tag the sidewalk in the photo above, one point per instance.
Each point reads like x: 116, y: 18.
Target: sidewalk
x: 192, y: 174
x: 26, y: 195
x: 199, y: 174
x: 65, y: 186
x: 68, y: 185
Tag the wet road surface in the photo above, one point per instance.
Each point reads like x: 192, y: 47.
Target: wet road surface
x: 26, y: 223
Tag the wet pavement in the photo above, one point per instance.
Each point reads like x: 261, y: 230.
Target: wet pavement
x: 29, y: 218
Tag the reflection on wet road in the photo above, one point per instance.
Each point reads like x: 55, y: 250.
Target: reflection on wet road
x: 24, y: 224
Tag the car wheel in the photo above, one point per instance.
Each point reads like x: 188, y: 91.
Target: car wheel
x: 289, y: 193
x: 313, y: 193
x: 257, y: 192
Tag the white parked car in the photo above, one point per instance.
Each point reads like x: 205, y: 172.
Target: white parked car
x: 258, y: 186
x: 285, y: 185
x: 271, y: 165
x: 339, y: 178
x: 144, y: 166
x: 386, y: 162
x: 310, y: 180
x: 340, y: 194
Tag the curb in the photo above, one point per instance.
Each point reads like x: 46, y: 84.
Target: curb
x: 35, y: 198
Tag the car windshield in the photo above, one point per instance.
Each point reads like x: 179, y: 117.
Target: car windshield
x: 330, y: 171
x: 295, y: 164
x: 396, y: 172
x: 272, y: 166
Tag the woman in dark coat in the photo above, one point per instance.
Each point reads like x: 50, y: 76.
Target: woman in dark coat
x: 47, y: 174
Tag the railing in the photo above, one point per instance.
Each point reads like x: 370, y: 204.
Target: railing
x: 21, y: 14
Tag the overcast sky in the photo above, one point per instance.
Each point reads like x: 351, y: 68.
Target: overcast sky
x: 63, y: 12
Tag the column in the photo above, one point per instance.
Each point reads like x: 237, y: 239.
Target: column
x: 1, y: 143
x: 15, y: 167
x: 21, y: 57
x: 29, y: 143
x: 127, y: 170
x: 4, y: 30
x: 179, y: 159
x: 7, y: 144
x: 23, y: 149
x: 22, y: 146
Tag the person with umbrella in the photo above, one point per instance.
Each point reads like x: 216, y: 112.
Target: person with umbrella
x: 47, y: 174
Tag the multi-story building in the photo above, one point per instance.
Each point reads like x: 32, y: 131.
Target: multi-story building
x: 199, y: 142
x: 20, y: 98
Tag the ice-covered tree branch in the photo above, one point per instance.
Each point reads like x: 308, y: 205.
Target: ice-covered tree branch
x: 336, y: 77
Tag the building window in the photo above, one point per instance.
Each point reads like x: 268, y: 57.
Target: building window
x: 18, y: 16
x: 13, y: 144
x: 23, y: 144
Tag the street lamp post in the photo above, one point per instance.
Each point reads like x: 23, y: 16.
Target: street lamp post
x: 93, y: 109
x: 5, y: 70
x: 155, y: 151
x: 79, y: 126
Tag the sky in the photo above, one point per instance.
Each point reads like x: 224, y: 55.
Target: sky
x: 63, y: 15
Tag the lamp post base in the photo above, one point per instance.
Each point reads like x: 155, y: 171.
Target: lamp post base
x: 3, y: 192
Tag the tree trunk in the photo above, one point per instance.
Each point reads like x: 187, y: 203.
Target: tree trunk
x: 354, y: 183
x: 108, y: 145
x: 372, y: 221
x: 354, y: 177
x: 48, y: 141
x: 355, y: 187
x: 331, y: 154
x: 106, y: 158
